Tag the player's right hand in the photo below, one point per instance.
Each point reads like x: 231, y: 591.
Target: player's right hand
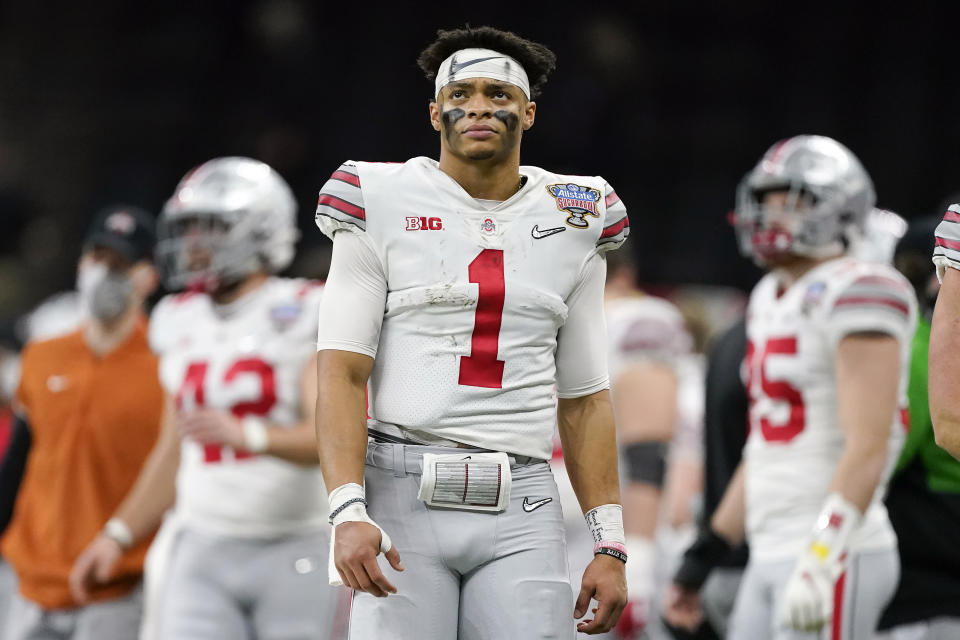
x: 95, y: 565
x: 681, y: 608
x: 355, y: 550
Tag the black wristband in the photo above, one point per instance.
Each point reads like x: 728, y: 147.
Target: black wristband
x: 608, y: 551
x: 699, y: 559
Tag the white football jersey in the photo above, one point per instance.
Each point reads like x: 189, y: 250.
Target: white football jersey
x: 477, y: 299
x: 795, y: 440
x: 644, y: 327
x: 246, y: 358
x: 946, y: 251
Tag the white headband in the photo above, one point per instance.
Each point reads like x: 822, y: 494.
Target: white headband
x: 482, y: 63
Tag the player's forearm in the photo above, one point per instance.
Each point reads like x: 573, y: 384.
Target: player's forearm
x: 154, y: 491
x: 589, y: 441
x: 859, y: 471
x: 868, y: 375
x: 297, y: 444
x: 729, y: 520
x: 341, y: 433
x: 644, y: 402
x: 944, y: 365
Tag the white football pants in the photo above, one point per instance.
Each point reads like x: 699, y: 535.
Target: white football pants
x: 861, y: 595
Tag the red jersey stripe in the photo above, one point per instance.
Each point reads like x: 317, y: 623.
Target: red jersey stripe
x: 881, y: 280
x: 615, y: 228
x: 307, y: 288
x: 342, y: 206
x: 887, y: 302
x: 612, y: 198
x: 836, y: 631
x: 951, y: 216
x: 344, y: 176
x: 948, y: 244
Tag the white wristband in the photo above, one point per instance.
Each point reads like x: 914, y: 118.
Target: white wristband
x: 118, y: 531
x: 348, y: 504
x: 255, y: 437
x: 606, y: 523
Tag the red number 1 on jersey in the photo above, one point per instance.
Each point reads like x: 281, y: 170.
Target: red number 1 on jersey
x: 481, y: 368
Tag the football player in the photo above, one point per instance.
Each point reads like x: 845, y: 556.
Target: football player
x: 469, y: 294
x: 242, y: 555
x: 648, y: 341
x: 945, y: 335
x: 827, y: 355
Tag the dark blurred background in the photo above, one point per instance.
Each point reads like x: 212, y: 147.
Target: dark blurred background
x: 113, y: 101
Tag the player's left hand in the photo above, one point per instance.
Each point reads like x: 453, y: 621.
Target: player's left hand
x: 208, y: 426
x: 93, y: 566
x: 605, y: 581
x: 808, y: 596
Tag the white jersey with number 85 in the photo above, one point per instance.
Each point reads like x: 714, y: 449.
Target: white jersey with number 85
x: 795, y: 439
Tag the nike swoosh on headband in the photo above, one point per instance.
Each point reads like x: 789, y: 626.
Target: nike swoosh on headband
x: 537, y: 233
x: 530, y: 506
x: 456, y: 67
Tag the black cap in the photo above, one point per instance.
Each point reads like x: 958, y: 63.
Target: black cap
x: 126, y: 229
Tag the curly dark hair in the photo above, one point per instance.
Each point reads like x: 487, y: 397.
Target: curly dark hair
x: 537, y: 60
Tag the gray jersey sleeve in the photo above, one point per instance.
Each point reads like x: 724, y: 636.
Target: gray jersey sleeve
x: 582, y: 340
x: 616, y: 224
x: 340, y: 205
x: 946, y: 251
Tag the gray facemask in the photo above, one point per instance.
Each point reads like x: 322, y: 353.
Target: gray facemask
x: 104, y: 294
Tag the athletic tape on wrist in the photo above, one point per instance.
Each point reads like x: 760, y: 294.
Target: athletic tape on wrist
x: 831, y: 533
x: 255, y: 437
x: 606, y: 524
x: 348, y: 504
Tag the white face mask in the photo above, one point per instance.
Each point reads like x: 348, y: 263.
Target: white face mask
x: 104, y: 294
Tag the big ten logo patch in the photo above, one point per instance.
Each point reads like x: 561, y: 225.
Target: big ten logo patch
x: 423, y: 224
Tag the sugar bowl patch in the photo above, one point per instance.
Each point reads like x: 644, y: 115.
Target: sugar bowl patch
x: 576, y: 200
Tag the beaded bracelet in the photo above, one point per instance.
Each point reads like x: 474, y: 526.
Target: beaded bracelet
x: 336, y: 512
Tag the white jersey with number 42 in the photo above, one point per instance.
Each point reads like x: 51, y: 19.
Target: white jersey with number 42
x: 246, y: 358
x: 475, y: 338
x: 795, y: 438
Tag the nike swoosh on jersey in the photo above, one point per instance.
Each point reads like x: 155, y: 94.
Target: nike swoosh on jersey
x: 456, y: 67
x: 537, y: 233
x: 530, y: 506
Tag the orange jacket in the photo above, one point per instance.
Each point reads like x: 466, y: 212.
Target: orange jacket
x: 93, y: 422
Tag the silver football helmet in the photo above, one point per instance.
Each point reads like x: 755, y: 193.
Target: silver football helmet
x: 226, y: 219
x: 828, y: 195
